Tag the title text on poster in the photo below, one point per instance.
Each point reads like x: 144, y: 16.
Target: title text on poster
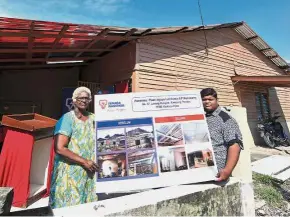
x: 155, y: 103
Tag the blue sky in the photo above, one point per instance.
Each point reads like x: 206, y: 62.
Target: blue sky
x: 270, y: 19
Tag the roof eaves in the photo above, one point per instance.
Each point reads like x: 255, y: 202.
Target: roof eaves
x: 253, y: 38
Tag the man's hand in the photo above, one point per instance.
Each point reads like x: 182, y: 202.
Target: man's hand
x: 223, y: 175
x: 90, y: 166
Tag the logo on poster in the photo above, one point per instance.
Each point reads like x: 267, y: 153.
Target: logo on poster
x: 103, y: 103
x: 69, y: 103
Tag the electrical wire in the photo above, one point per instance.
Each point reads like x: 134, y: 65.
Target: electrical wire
x: 202, y: 22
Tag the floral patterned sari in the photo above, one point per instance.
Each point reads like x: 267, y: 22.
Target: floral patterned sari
x: 70, y: 183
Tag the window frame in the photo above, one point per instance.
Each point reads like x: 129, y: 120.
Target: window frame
x: 259, y: 104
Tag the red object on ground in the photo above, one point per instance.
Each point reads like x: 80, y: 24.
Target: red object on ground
x: 15, y: 164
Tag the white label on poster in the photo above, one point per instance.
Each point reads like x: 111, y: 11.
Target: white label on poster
x: 151, y: 140
x: 154, y: 103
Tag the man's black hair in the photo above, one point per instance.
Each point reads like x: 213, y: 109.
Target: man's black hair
x: 208, y: 92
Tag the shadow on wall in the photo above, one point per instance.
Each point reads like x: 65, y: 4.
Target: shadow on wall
x: 246, y: 95
x: 275, y: 106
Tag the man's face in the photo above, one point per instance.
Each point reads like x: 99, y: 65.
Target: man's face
x: 209, y: 103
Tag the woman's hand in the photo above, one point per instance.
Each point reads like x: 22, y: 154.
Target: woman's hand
x: 61, y: 142
x: 90, y: 166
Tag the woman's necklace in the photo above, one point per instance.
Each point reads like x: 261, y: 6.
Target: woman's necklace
x: 78, y: 114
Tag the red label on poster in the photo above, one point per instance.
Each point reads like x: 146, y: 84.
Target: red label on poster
x: 179, y: 118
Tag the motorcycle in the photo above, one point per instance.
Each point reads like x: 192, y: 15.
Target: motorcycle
x: 271, y: 130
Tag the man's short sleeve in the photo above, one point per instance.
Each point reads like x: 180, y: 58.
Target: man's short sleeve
x: 232, y: 133
x: 64, y: 125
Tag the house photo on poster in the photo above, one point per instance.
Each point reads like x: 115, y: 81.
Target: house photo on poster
x: 112, y: 165
x: 140, y: 137
x: 172, y: 159
x: 127, y: 150
x: 142, y: 162
x: 111, y: 140
x: 169, y: 135
x: 200, y: 156
x: 151, y: 140
x: 195, y: 132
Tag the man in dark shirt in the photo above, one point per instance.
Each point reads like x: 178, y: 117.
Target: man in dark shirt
x: 225, y: 134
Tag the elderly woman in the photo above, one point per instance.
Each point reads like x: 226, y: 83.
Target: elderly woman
x: 73, y: 177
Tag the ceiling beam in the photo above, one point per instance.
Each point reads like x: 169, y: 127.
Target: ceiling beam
x: 58, y: 50
x: 126, y: 36
x: 42, y: 66
x: 103, y: 33
x: 58, y: 38
x: 50, y: 59
x: 30, y: 41
x: 73, y: 35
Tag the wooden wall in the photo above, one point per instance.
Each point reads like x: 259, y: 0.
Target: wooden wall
x: 279, y: 98
x: 180, y: 62
x: 116, y: 66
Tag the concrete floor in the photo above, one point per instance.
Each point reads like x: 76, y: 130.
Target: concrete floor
x: 260, y: 152
x: 258, y: 156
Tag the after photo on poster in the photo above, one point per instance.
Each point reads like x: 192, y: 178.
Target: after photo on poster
x: 169, y: 135
x: 195, y: 132
x: 172, y: 159
x: 199, y: 159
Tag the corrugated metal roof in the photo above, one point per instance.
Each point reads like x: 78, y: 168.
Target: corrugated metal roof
x: 246, y: 32
x: 27, y: 42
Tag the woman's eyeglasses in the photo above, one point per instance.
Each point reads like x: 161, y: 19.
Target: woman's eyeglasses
x: 84, y: 99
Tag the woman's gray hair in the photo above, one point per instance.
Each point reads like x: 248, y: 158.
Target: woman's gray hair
x: 79, y: 90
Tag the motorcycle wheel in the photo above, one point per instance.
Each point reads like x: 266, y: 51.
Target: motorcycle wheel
x: 269, y: 141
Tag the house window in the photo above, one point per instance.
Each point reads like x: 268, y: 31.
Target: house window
x: 137, y: 142
x: 262, y: 106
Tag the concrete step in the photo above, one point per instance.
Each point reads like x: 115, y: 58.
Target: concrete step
x: 283, y: 176
x: 276, y: 166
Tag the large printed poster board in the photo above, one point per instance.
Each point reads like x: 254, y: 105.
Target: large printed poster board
x: 150, y: 140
